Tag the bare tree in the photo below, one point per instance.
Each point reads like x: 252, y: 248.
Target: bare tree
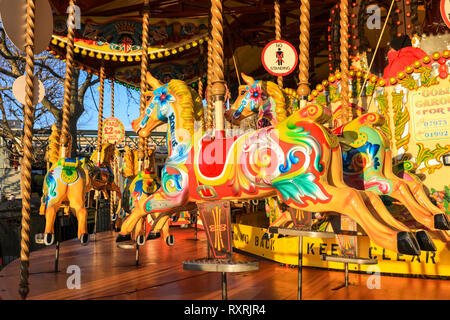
x: 51, y: 71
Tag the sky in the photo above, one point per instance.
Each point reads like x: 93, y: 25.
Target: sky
x: 125, y: 109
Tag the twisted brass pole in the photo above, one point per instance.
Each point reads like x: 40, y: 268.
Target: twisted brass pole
x: 143, y: 86
x: 209, y: 116
x: 99, y: 138
x: 200, y: 88
x: 303, y: 88
x: 64, y: 139
x: 278, y: 33
x: 100, y: 112
x: 345, y: 106
x: 112, y: 193
x: 218, y: 84
x: 27, y: 150
x: 112, y: 98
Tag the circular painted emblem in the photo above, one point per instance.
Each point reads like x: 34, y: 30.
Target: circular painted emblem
x: 113, y: 131
x: 69, y: 175
x: 445, y: 12
x: 279, y: 58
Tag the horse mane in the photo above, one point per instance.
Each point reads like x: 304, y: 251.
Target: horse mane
x: 293, y: 98
x: 131, y: 162
x: 54, y: 146
x: 280, y: 100
x: 185, y: 102
x: 198, y: 107
x: 107, y: 153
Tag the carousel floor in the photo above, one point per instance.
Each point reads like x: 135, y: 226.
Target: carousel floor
x: 108, y: 272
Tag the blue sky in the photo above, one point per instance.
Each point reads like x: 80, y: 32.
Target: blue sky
x: 125, y: 109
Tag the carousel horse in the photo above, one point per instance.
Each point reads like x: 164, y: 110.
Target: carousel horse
x: 136, y: 185
x: 291, y: 160
x: 270, y: 104
x: 67, y: 182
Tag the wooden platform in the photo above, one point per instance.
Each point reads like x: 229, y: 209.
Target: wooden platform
x: 108, y: 272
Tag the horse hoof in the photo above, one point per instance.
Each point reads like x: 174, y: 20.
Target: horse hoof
x: 49, y: 238
x: 425, y: 242
x: 121, y: 238
x: 441, y: 221
x: 140, y: 240
x: 84, y: 239
x: 114, y: 217
x: 407, y: 244
x: 153, y: 235
x: 170, y: 240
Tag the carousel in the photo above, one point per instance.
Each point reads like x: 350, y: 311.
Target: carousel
x: 307, y: 151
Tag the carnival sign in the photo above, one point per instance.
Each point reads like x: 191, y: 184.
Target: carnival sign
x: 430, y: 108
x: 445, y: 12
x: 113, y: 131
x: 279, y: 58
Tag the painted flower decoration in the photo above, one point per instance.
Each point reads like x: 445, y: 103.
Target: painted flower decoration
x: 256, y: 93
x: 162, y: 96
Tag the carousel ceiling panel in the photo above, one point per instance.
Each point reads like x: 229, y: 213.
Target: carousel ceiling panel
x: 111, y: 32
x: 120, y: 36
x: 185, y: 69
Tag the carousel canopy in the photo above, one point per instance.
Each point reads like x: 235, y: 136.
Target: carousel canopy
x: 110, y: 33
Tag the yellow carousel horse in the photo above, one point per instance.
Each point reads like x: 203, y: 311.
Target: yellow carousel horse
x: 67, y: 182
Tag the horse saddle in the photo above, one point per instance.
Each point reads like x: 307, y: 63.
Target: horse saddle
x: 213, y: 154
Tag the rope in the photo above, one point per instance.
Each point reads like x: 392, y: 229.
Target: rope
x: 27, y: 150
x: 376, y: 48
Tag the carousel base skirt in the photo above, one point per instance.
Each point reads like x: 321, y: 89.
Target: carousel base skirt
x: 107, y: 272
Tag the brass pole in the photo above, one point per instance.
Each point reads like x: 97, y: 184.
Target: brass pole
x: 218, y: 84
x: 100, y: 112
x: 112, y: 194
x: 143, y: 86
x: 303, y: 88
x: 64, y: 139
x: 27, y: 150
x: 200, y: 88
x: 209, y: 116
x: 345, y: 105
x: 112, y: 98
x: 99, y: 138
x: 277, y: 34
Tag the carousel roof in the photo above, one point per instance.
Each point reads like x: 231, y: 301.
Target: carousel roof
x: 111, y: 32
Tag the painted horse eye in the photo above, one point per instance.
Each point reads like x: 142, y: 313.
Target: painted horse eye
x: 242, y: 92
x: 149, y: 97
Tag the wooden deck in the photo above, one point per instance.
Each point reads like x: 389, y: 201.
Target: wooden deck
x: 108, y: 272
